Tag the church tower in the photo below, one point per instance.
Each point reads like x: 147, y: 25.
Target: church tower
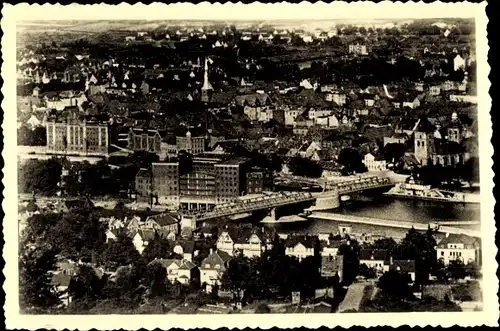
x: 424, y: 141
x: 206, y: 89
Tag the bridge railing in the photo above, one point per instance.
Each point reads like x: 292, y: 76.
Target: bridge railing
x: 252, y: 205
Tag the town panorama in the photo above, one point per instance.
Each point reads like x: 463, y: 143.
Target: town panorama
x: 222, y: 168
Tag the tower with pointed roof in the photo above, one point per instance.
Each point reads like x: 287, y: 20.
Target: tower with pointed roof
x: 206, y: 89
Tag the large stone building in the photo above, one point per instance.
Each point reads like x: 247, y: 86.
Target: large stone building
x: 165, y: 182
x: 192, y: 145
x: 230, y: 180
x: 77, y: 136
x: 424, y: 142
x: 144, y: 140
x: 207, y: 183
x: 197, y: 190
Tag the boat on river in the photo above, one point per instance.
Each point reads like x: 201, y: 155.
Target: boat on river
x: 415, y: 189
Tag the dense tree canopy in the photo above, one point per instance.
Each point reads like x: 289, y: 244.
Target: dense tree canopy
x: 300, y: 166
x: 120, y: 252
x: 351, y: 161
x: 36, y: 289
x: 158, y: 248
x: 40, y: 176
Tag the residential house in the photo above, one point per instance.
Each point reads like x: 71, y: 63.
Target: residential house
x: 301, y: 246
x: 373, y: 163
x: 458, y: 62
x: 405, y: 267
x: 358, y: 49
x: 184, y: 248
x: 256, y: 106
x: 314, y: 113
x: 338, y: 97
x: 165, y: 222
x: 213, y: 267
x: 112, y: 234
x: 171, y: 266
x: 247, y: 241
x: 459, y: 247
x: 412, y: 103
x: 434, y: 90
x: 373, y: 258
x: 329, y: 247
x: 328, y: 121
x: 463, y: 98
x: 181, y: 271
x: 291, y: 115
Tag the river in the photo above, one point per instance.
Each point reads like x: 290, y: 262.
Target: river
x: 387, y: 208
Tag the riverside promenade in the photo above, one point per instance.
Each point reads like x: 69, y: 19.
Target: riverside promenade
x: 397, y: 223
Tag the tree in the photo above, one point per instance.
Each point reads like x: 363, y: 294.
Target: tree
x: 456, y: 269
x: 366, y: 271
x: 350, y: 253
x: 36, y: 289
x: 300, y: 166
x: 86, y: 286
x: 263, y: 309
x: 385, y: 243
x: 41, y: 224
x: 471, y: 170
x: 419, y: 247
x: 157, y: 248
x: 128, y: 287
x: 395, y: 285
x: 393, y: 152
x: 237, y: 276
x: 351, y: 161
x: 155, y: 280
x: 40, y: 176
x: 120, y: 252
x: 78, y: 235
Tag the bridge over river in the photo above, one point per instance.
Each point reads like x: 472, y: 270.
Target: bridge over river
x: 443, y: 226
x: 329, y: 199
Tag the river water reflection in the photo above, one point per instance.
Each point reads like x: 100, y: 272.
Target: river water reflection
x: 391, y: 209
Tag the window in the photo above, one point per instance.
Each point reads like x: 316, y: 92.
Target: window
x: 442, y: 253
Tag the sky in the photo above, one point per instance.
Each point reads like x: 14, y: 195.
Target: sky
x: 257, y: 11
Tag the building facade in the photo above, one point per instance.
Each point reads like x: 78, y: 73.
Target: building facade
x: 77, y: 137
x: 144, y: 140
x: 197, y: 191
x: 230, y: 180
x: 424, y: 146
x: 192, y: 145
x: 165, y: 182
x: 255, y: 182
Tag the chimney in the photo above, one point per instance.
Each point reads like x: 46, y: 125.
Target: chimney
x: 211, y: 251
x: 391, y: 261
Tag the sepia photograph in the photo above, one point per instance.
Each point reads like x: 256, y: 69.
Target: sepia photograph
x: 242, y: 161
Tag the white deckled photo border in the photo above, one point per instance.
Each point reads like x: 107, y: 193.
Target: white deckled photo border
x: 11, y: 14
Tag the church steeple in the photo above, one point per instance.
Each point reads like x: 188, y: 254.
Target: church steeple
x: 206, y: 89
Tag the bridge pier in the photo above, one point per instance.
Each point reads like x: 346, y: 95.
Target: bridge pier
x: 330, y: 200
